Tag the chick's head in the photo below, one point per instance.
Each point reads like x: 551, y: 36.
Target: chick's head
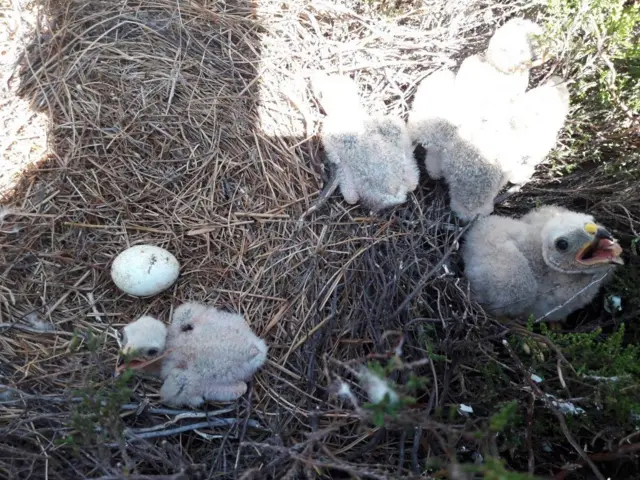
x: 516, y: 45
x: 338, y: 94
x: 573, y: 243
x: 144, y: 342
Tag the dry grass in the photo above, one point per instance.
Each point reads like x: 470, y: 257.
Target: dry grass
x: 23, y: 132
x: 189, y: 125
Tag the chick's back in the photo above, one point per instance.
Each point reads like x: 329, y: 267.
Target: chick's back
x: 496, y: 257
x: 217, y: 346
x: 388, y: 147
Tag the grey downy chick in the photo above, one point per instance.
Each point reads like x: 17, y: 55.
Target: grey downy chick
x: 208, y: 354
x: 484, y: 156
x: 372, y: 154
x: 548, y: 263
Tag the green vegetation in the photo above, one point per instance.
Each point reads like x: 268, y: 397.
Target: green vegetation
x: 494, y: 469
x: 406, y: 393
x: 95, y: 417
x: 505, y: 416
x: 597, y: 42
x: 609, y: 366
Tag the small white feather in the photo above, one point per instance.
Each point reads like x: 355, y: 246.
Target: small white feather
x: 376, y: 387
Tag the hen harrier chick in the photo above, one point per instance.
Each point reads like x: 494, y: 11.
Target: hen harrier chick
x: 548, y: 264
x: 483, y: 157
x: 433, y: 118
x: 373, y: 155
x: 208, y: 355
x: 480, y: 128
x: 477, y: 159
x: 484, y: 85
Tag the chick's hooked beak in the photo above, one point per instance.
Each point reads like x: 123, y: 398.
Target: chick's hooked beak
x: 131, y: 359
x: 602, y: 249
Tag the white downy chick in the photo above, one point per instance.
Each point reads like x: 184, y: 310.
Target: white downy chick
x: 211, y: 356
x: 548, y: 264
x: 480, y: 129
x: 373, y: 155
x: 483, y: 92
x: 466, y: 156
x: 376, y: 387
x: 483, y: 157
x: 516, y: 46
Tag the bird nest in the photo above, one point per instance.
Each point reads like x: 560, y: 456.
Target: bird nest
x: 190, y: 125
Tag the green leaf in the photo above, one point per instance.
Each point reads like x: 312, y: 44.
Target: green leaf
x: 505, y: 416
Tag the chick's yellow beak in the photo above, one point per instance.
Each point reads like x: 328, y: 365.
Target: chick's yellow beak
x: 591, y: 228
x: 602, y: 249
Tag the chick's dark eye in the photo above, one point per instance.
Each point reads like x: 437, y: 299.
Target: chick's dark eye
x: 562, y: 244
x: 152, y: 351
x: 187, y: 327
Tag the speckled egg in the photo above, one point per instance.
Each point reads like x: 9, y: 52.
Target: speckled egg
x: 144, y: 270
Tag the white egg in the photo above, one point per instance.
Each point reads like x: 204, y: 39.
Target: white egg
x: 144, y: 270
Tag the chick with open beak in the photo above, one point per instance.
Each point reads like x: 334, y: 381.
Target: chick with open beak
x: 575, y: 244
x: 205, y: 354
x: 548, y: 263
